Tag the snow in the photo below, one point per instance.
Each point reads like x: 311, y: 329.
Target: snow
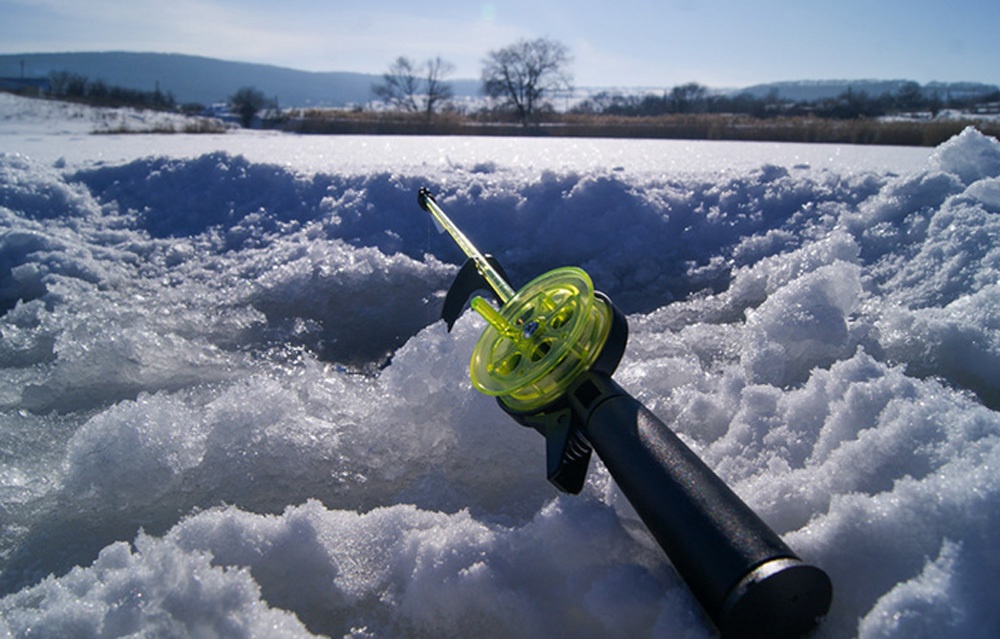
x: 228, y: 408
x: 22, y: 116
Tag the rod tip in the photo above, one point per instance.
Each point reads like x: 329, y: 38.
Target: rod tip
x: 423, y: 195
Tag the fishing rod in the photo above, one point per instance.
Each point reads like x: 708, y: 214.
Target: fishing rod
x: 548, y: 354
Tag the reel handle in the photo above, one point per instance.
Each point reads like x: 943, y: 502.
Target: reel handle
x: 749, y: 582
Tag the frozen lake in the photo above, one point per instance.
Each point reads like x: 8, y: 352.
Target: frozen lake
x: 418, y: 154
x: 227, y: 407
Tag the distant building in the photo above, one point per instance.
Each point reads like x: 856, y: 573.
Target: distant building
x: 25, y: 86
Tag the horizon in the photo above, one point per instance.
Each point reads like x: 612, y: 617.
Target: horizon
x: 633, y: 44
x: 803, y: 81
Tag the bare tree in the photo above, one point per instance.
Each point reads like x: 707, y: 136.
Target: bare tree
x: 523, y: 74
x: 412, y: 87
x: 437, y: 90
x: 400, y: 85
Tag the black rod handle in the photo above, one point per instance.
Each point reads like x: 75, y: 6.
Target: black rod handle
x: 749, y: 582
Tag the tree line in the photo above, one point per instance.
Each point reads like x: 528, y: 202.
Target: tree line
x: 80, y: 88
x: 246, y: 103
x: 522, y: 80
x: 523, y: 77
x: 695, y: 98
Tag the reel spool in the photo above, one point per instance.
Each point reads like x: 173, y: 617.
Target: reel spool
x: 540, y: 340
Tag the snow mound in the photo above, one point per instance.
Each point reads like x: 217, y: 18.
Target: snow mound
x: 228, y: 407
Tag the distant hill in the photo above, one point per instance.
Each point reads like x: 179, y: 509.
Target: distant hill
x: 209, y: 80
x: 206, y: 80
x: 811, y: 90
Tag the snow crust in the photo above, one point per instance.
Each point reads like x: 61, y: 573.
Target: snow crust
x: 228, y: 409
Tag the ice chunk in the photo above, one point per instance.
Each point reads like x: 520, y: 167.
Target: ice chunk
x: 153, y: 589
x: 802, y: 326
x: 970, y: 155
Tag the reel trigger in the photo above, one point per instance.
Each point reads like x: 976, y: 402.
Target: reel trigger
x: 468, y: 281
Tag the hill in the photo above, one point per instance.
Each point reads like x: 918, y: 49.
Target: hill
x: 206, y: 80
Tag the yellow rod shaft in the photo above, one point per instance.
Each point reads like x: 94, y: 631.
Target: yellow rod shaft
x: 493, y: 278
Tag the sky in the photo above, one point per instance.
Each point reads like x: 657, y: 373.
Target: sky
x: 719, y: 43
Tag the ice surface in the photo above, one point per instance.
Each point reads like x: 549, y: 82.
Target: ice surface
x: 227, y: 407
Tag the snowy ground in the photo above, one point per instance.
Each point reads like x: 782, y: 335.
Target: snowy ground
x: 227, y: 408
x: 28, y: 117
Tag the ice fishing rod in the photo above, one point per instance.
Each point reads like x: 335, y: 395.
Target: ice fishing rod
x: 547, y: 355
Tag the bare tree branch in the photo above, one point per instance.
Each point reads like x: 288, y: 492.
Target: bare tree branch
x: 413, y: 87
x: 400, y: 85
x: 437, y: 91
x: 523, y: 74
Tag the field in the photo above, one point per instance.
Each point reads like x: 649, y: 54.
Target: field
x: 705, y: 126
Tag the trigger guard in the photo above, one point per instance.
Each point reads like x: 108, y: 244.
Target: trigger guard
x: 468, y: 281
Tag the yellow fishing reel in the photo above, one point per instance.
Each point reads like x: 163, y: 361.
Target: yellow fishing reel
x: 540, y: 340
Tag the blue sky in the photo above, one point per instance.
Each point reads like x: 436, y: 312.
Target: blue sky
x: 720, y: 43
